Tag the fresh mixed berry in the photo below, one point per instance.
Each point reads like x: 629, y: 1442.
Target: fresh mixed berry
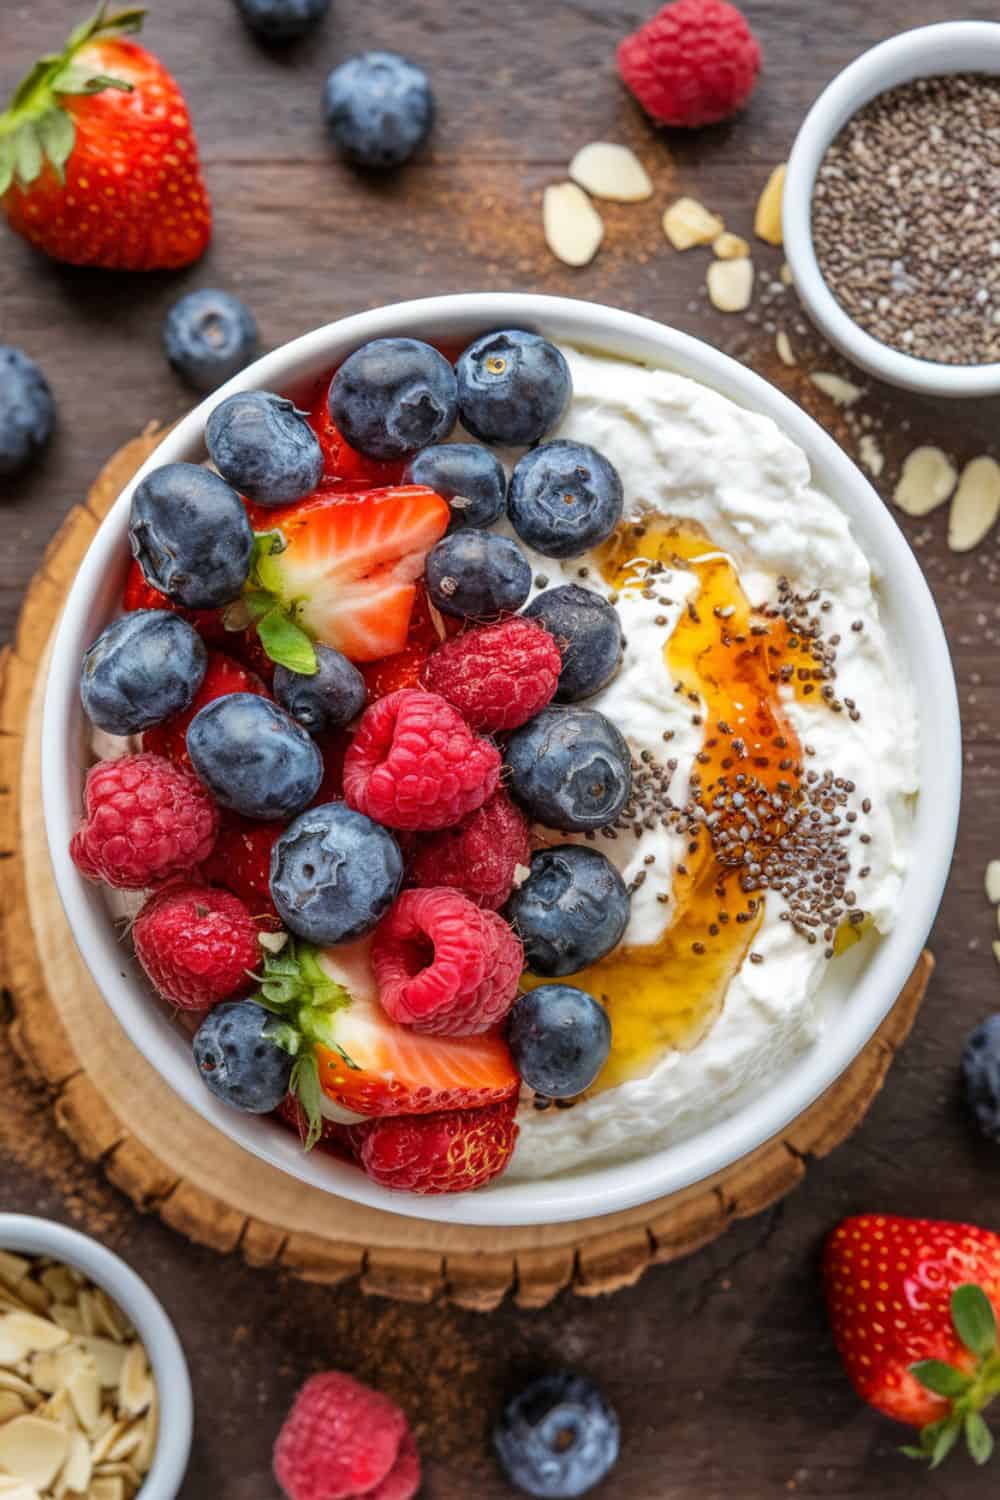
x: 27, y: 410
x: 379, y: 107
x: 209, y: 336
x: 359, y: 750
x: 282, y: 20
x: 558, y: 1437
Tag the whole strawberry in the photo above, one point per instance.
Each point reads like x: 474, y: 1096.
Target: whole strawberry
x: 452, y: 1152
x: 696, y: 62
x: 197, y: 945
x: 343, y: 1441
x: 146, y: 820
x: 912, y: 1305
x: 98, y: 160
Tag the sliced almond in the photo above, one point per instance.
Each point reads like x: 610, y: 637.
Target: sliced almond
x: 610, y: 171
x: 143, y: 1456
x: 927, y: 479
x: 13, y: 1268
x: 58, y: 1283
x: 976, y: 504
x: 84, y: 1390
x: 108, y: 1358
x: 871, y: 454
x: 110, y: 1319
x: 573, y: 227
x: 767, y: 219
x: 728, y: 246
x: 59, y: 1408
x: 135, y: 1386
x: 30, y: 1332
x: 11, y: 1382
x: 67, y: 1317
x: 127, y: 1444
x: 687, y: 223
x: 17, y: 1489
x: 78, y: 1468
x: 993, y: 881
x: 11, y: 1405
x: 33, y: 1449
x: 786, y: 274
x: 784, y: 347
x: 730, y: 284
x: 35, y: 1295
x: 45, y: 1372
x: 840, y: 391
x: 123, y: 1470
x: 100, y: 1450
x: 273, y: 942
x: 106, y: 1487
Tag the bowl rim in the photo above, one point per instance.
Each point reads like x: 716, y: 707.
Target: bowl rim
x: 27, y: 1234
x: 923, y: 51
x: 603, y: 1189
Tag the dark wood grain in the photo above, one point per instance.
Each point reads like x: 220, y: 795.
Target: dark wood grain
x: 721, y: 1366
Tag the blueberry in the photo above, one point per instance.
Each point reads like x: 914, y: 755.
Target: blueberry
x: 570, y: 768
x: 142, y: 668
x: 571, y: 910
x: 188, y: 530
x: 282, y: 20
x: 379, y: 107
x: 558, y: 1437
x: 981, y: 1075
x: 27, y: 410
x: 330, y: 698
x: 476, y: 574
x: 513, y: 387
x: 564, y: 498
x: 208, y: 336
x: 237, y: 1059
x: 559, y: 1038
x: 253, y: 757
x: 469, y: 477
x: 334, y: 874
x: 393, y: 396
x: 587, y: 631
x: 265, y: 447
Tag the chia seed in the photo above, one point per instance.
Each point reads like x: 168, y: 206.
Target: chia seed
x: 903, y: 218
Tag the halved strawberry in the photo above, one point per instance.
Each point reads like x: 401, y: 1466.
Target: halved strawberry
x: 404, y: 668
x: 223, y: 676
x: 342, y: 569
x: 344, y: 468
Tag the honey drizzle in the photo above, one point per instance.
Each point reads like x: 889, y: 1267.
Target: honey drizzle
x: 668, y: 995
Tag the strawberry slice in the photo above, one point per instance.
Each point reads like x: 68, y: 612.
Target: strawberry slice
x: 343, y: 568
x: 344, y: 468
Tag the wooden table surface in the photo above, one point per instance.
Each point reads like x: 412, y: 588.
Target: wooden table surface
x: 721, y: 1367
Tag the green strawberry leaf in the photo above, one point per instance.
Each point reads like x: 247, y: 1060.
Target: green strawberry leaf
x: 30, y: 82
x: 287, y: 643
x: 944, y: 1440
x: 265, y: 544
x: 257, y: 603
x: 58, y: 137
x: 305, y: 1085
x: 941, y: 1378
x: 28, y: 158
x: 974, y: 1319
x: 285, y: 1035
x: 77, y: 80
x: 6, y: 163
x: 979, y: 1438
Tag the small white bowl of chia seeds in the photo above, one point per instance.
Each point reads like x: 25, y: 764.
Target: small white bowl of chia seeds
x: 891, y: 227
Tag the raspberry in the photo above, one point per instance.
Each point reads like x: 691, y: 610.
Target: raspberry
x: 339, y: 1441
x: 415, y: 763
x: 146, y: 820
x: 694, y: 63
x: 444, y: 965
x: 499, y: 676
x: 222, y: 675
x: 451, y: 1152
x: 196, y: 945
x: 403, y: 1480
x: 478, y: 857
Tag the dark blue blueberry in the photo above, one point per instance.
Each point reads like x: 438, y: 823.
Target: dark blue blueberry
x: 331, y: 697
x: 142, y: 668
x: 379, y: 107
x: 208, y: 336
x: 564, y: 498
x: 477, y: 574
x: 282, y: 20
x: 558, y: 1438
x: 265, y: 447
x: 513, y: 387
x: 253, y: 757
x: 587, y: 631
x: 559, y: 1038
x: 393, y: 396
x: 238, y: 1060
x: 572, y: 909
x: 189, y: 532
x: 570, y: 768
x: 469, y: 477
x: 27, y: 410
x: 334, y: 874
x: 981, y: 1075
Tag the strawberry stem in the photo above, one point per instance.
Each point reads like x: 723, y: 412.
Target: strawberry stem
x: 975, y: 1323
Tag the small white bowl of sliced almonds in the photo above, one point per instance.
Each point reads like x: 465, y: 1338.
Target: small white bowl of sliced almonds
x: 95, y: 1398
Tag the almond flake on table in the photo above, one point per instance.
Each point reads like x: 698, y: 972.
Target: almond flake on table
x: 573, y: 227
x: 927, y: 479
x: 993, y: 881
x: 871, y: 454
x: 767, y: 219
x: 727, y: 246
x: 840, y: 391
x: 610, y: 171
x: 730, y: 284
x: 975, y: 505
x: 783, y: 344
x: 687, y: 223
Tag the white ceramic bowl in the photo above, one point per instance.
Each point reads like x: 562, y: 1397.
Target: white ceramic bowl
x: 949, y: 47
x: 29, y: 1236
x: 911, y: 618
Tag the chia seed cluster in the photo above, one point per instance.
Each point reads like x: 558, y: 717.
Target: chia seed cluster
x: 904, y: 218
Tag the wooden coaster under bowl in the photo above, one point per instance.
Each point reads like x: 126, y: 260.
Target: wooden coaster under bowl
x: 119, y: 1113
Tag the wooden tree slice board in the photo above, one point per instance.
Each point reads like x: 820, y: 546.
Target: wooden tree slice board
x: 120, y: 1113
